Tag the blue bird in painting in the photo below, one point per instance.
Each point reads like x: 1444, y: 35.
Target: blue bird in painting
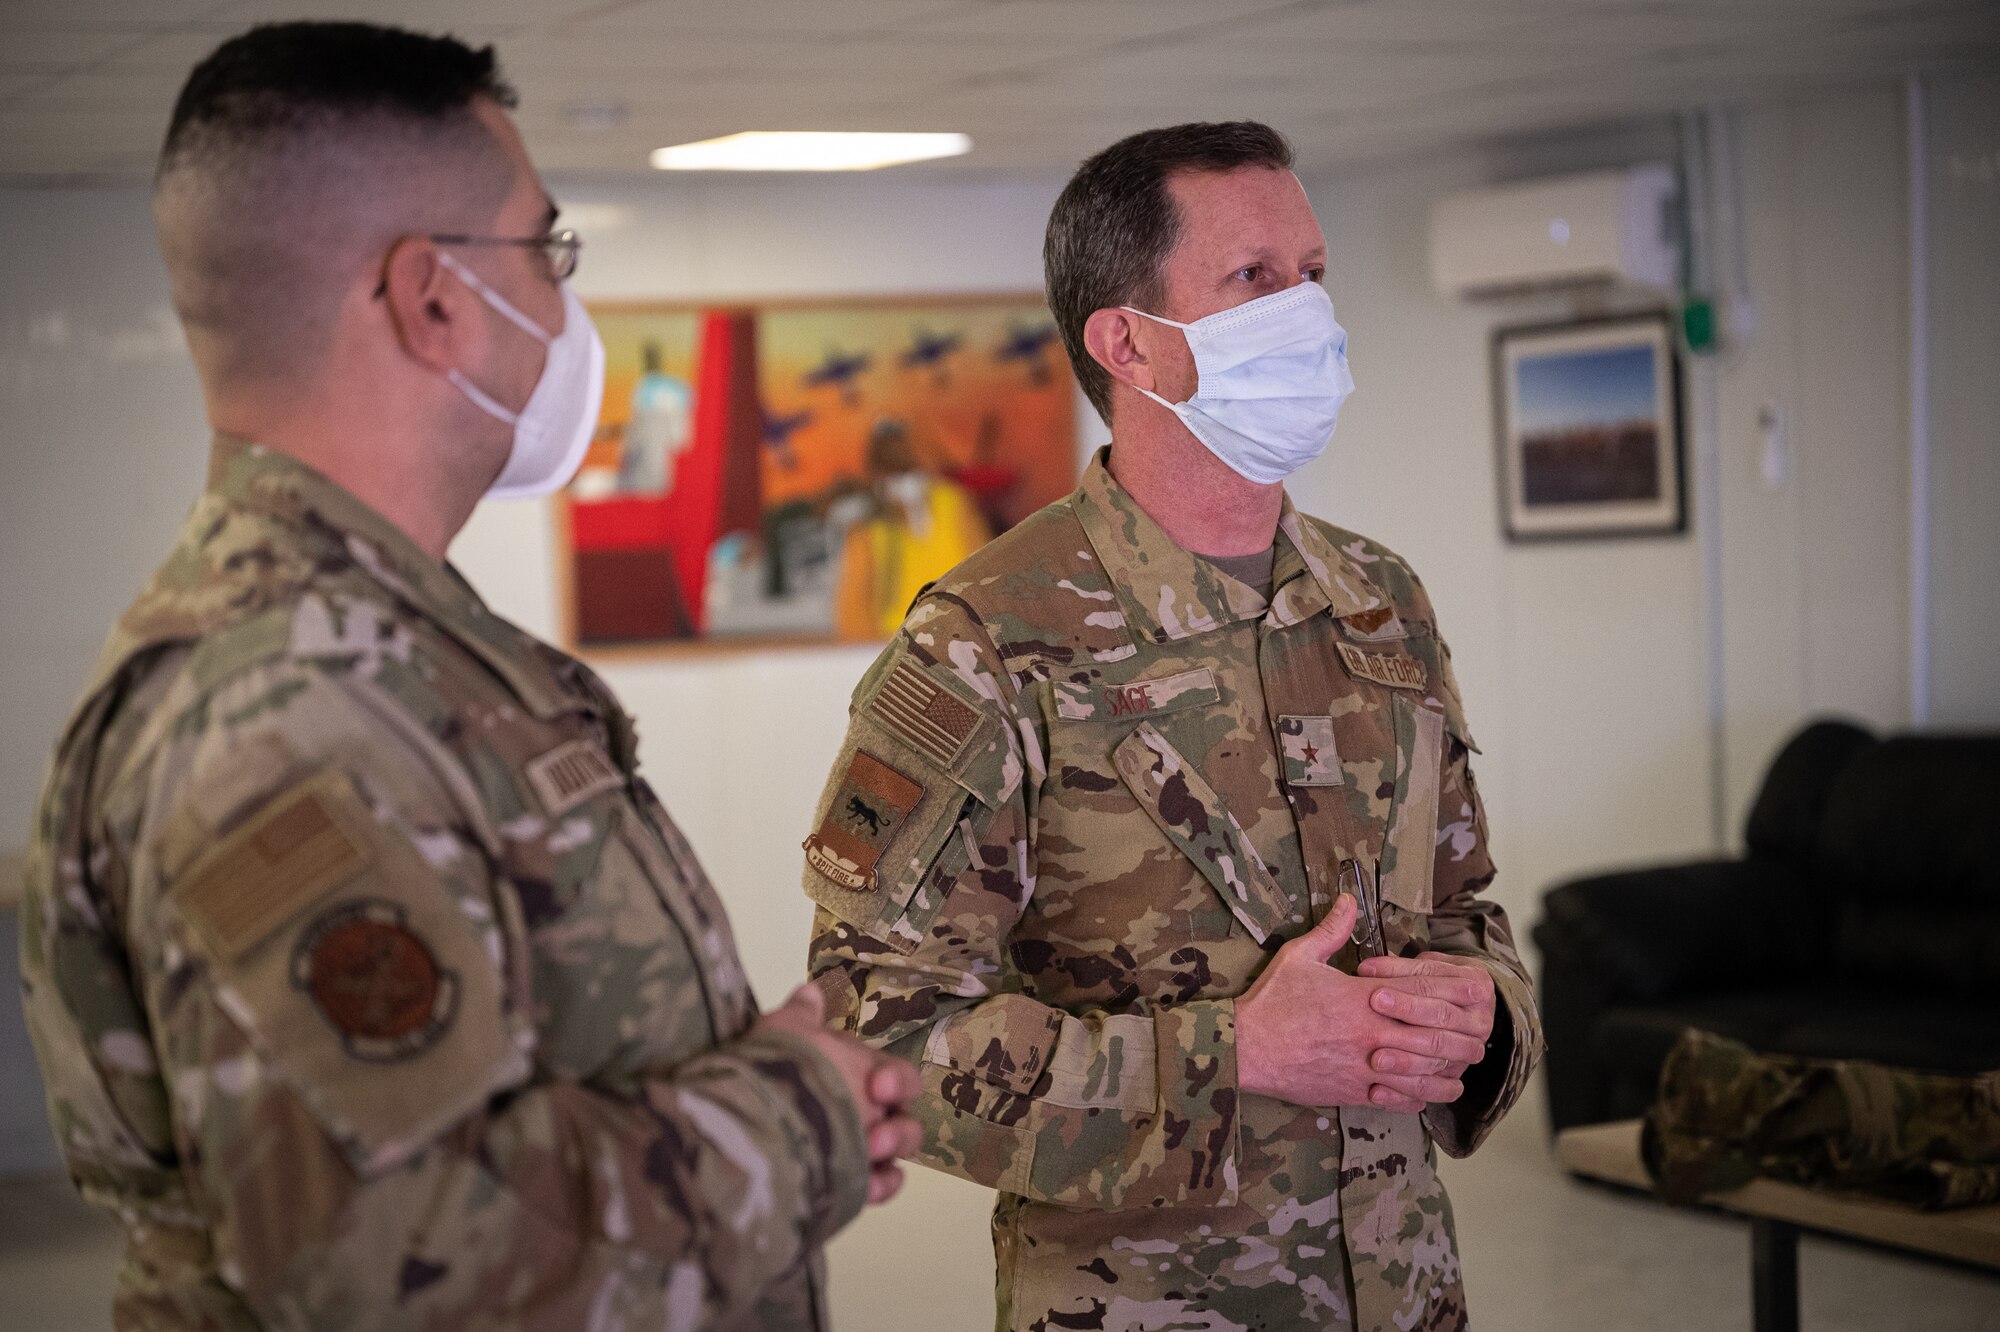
x: 839, y: 370
x: 778, y: 432
x: 928, y: 350
x: 1030, y: 346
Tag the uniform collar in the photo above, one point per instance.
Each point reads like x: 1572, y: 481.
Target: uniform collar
x: 1170, y: 593
x: 332, y: 524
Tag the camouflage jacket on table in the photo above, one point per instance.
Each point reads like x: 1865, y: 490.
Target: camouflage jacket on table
x: 373, y: 987
x: 1085, y: 793
x: 1726, y: 1114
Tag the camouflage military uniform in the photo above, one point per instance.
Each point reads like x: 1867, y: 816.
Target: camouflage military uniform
x: 374, y: 988
x: 1726, y: 1114
x: 1085, y: 793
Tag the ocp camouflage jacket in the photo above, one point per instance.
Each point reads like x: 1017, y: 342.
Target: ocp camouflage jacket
x: 1086, y: 792
x: 372, y: 986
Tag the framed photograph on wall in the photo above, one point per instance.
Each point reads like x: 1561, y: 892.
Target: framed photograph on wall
x: 1589, y: 426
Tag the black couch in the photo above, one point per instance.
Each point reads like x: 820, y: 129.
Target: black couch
x: 1864, y: 923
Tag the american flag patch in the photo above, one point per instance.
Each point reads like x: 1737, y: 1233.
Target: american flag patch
x: 930, y: 720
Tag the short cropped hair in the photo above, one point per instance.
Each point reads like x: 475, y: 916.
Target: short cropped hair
x: 296, y: 155
x: 1114, y: 225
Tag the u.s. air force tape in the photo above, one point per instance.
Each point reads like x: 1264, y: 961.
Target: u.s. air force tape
x: 1391, y: 669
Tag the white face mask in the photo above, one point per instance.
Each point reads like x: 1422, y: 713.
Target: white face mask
x: 1271, y: 375
x: 552, y: 432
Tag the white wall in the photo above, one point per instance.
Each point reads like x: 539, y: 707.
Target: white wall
x: 101, y: 449
x: 1817, y: 594
x: 1965, y: 400
x: 101, y: 452
x: 1582, y: 664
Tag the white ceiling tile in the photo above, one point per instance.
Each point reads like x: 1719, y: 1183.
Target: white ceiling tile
x: 1094, y: 20
x: 88, y: 13
x: 36, y: 47
x: 782, y: 18
x: 1405, y: 23
x: 421, y: 15
x: 169, y: 53
x: 120, y: 93
x: 82, y: 123
x: 1037, y: 83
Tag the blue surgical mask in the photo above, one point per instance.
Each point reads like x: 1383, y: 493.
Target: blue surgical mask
x: 1271, y: 375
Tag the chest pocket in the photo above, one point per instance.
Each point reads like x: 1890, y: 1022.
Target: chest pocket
x: 1194, y: 818
x: 633, y: 965
x: 623, y: 984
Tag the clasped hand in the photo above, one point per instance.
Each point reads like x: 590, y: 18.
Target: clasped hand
x: 881, y: 1085
x: 1399, y: 1036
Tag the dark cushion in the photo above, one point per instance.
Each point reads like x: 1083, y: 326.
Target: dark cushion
x: 1648, y: 934
x: 1945, y: 949
x: 1786, y: 820
x: 1823, y: 1021
x: 1911, y: 820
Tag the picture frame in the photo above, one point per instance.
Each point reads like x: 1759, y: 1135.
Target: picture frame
x: 779, y: 473
x: 1588, y: 429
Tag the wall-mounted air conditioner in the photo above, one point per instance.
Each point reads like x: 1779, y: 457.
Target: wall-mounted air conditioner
x: 1603, y: 226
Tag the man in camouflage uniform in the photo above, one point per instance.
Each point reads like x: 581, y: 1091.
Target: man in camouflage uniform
x: 1108, y: 807
x: 373, y: 987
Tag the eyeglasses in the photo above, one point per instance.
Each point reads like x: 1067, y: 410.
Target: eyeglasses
x: 559, y: 248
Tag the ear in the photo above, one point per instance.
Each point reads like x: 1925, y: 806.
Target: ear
x: 436, y: 316
x: 1116, y: 340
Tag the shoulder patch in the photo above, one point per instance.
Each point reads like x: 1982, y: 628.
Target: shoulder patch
x: 285, y: 858
x: 868, y: 808
x: 375, y: 980
x: 570, y: 774
x: 1392, y: 670
x: 924, y: 714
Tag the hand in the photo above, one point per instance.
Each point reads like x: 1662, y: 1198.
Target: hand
x: 1451, y: 996
x: 882, y: 1087
x: 1307, y: 1032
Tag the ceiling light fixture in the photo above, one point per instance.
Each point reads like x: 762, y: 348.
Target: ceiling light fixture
x: 807, y: 150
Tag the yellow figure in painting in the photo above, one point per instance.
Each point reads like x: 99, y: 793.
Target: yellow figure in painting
x: 921, y: 526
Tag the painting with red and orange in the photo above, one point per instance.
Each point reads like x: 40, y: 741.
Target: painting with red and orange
x: 738, y: 483
x: 984, y: 390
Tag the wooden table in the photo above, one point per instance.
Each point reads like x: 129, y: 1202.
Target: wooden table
x: 1778, y: 1213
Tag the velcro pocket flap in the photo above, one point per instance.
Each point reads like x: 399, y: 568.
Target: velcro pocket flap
x: 1195, y: 820
x: 1007, y: 1041
x: 918, y: 895
x: 1409, y: 849
x: 359, y: 977
x: 1431, y: 650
